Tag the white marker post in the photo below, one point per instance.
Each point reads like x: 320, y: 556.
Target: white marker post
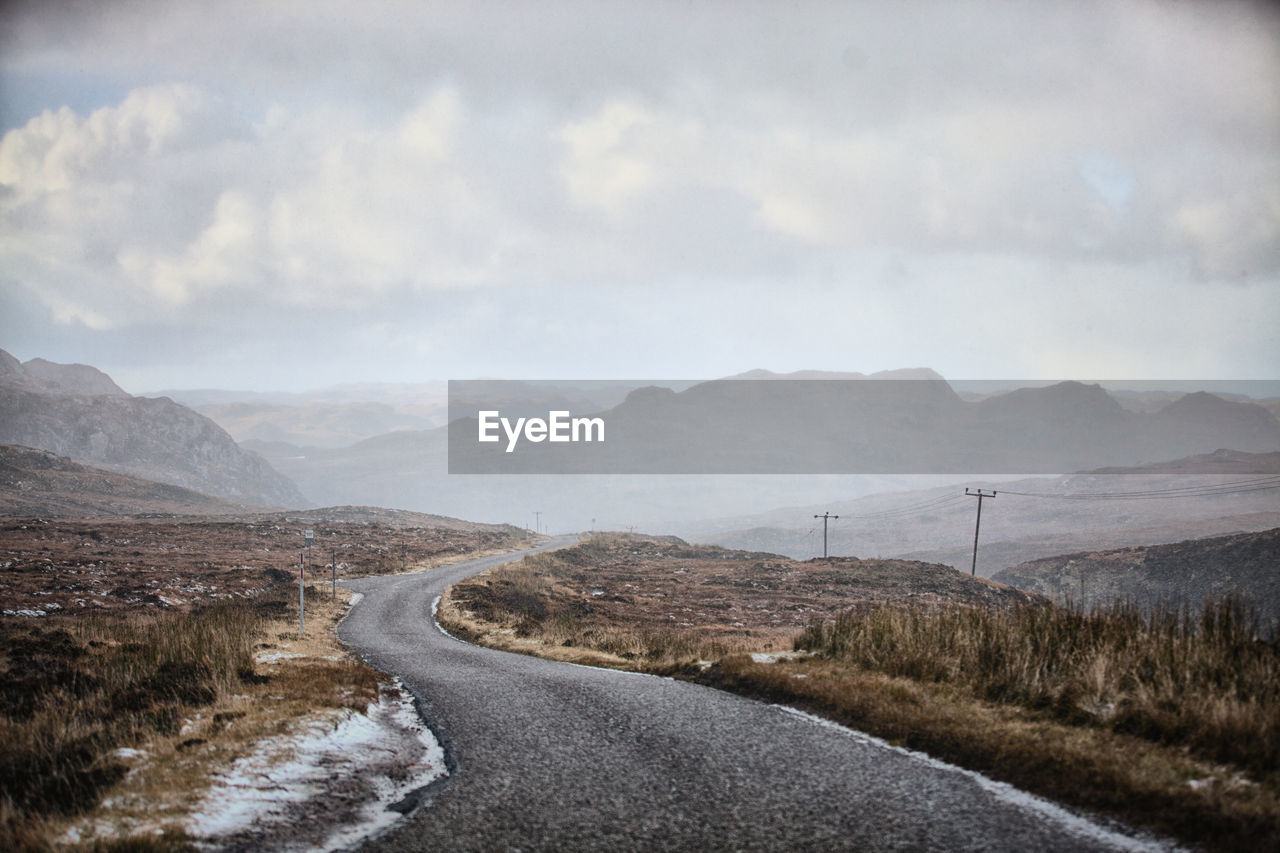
x: 308, y: 536
x: 301, y: 607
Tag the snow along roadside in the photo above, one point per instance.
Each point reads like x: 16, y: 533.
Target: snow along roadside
x: 342, y: 778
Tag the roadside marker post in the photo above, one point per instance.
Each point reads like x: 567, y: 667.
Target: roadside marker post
x: 302, y: 627
x: 308, y: 537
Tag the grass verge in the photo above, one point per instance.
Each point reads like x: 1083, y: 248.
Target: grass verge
x: 113, y: 725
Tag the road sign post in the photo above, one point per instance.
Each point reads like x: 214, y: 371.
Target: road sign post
x: 302, y: 627
x: 309, y: 538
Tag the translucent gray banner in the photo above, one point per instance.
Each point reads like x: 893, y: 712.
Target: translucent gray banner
x: 860, y: 426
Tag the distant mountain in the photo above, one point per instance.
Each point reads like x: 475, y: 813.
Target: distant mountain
x: 921, y: 420
x: 316, y: 424
x: 42, y: 484
x: 1180, y: 574
x: 50, y: 378
x: 1221, y: 461
x: 78, y: 412
x: 344, y: 415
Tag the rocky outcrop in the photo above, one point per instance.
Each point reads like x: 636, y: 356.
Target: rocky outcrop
x: 78, y: 412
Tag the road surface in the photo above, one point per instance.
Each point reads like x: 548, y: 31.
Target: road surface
x: 551, y: 756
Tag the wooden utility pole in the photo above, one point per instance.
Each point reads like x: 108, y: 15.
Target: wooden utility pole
x: 824, y: 517
x: 979, y: 494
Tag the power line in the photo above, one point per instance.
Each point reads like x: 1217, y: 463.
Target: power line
x: 1201, y: 490
x: 910, y: 509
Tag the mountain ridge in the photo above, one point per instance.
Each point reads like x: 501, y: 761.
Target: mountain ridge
x: 78, y: 412
x: 39, y: 483
x: 1180, y: 574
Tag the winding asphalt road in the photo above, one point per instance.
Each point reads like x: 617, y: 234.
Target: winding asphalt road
x: 551, y: 756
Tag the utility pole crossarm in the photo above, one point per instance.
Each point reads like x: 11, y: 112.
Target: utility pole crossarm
x: 979, y: 494
x: 824, y: 517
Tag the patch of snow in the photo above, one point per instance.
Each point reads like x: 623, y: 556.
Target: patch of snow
x: 267, y: 657
x: 326, y: 787
x: 25, y: 613
x: 435, y: 611
x: 774, y: 657
x: 1075, y: 824
x: 356, y: 598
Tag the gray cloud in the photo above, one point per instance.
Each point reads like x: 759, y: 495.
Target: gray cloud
x: 382, y: 161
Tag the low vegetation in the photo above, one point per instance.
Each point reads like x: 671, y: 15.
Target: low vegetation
x: 86, y: 701
x: 143, y: 707
x: 1167, y: 720
x: 1205, y: 682
x: 138, y: 656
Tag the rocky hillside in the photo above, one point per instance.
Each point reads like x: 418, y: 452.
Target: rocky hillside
x: 1181, y: 573
x: 78, y: 412
x: 37, y: 483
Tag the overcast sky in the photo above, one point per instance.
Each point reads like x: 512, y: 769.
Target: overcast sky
x: 276, y: 195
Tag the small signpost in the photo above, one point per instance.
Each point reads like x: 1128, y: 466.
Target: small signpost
x: 302, y: 629
x: 308, y: 537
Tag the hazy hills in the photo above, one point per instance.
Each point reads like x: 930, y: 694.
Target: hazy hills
x: 409, y: 468
x: 42, y: 484
x: 1185, y: 573
x: 1054, y: 515
x: 342, y: 415
x: 78, y: 412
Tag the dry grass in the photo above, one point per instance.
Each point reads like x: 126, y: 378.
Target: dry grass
x: 658, y: 601
x: 137, y: 654
x: 523, y: 607
x: 1204, y: 682
x: 587, y: 641
x: 1164, y: 720
x: 115, y: 725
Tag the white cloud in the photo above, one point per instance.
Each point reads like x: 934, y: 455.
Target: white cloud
x: 326, y: 161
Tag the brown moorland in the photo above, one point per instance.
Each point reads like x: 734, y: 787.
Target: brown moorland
x: 52, y: 565
x: 612, y: 598
x: 137, y: 656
